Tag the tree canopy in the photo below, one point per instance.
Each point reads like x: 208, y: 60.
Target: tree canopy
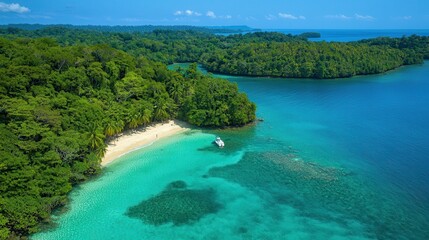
x: 252, y: 54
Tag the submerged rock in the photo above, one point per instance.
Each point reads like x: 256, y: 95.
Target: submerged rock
x: 176, y: 204
x: 177, y: 185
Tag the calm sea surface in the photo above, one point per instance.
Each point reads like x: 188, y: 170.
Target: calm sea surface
x: 347, y: 35
x: 333, y: 159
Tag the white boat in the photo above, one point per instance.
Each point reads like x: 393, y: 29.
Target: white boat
x: 219, y: 142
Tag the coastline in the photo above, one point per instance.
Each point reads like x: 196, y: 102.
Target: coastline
x: 143, y: 136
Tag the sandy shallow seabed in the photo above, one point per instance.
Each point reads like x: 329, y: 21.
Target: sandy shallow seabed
x: 135, y: 139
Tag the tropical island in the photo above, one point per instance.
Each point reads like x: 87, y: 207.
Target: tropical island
x: 268, y: 54
x: 65, y: 91
x: 59, y: 104
x: 310, y: 35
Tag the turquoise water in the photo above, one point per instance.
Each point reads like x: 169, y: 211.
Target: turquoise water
x: 334, y: 159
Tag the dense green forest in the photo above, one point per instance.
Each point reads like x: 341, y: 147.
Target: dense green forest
x: 252, y: 54
x: 304, y: 60
x: 58, y: 105
x: 295, y: 58
x: 159, y: 45
x: 414, y: 45
x: 134, y: 29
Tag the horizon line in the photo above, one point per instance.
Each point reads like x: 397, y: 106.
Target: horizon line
x: 203, y: 26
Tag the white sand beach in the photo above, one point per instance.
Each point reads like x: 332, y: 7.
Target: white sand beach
x: 134, y: 139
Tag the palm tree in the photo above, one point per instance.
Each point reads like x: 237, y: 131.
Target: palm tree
x: 145, y: 117
x: 119, y: 126
x: 95, y: 138
x: 160, y: 112
x: 134, y: 122
x: 155, y: 90
x: 110, y: 130
x: 190, y: 91
x: 101, y: 150
x: 175, y: 91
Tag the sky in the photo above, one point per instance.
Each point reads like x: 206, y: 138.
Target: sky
x: 266, y: 14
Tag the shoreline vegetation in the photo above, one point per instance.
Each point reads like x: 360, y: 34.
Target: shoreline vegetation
x: 58, y: 105
x: 135, y: 139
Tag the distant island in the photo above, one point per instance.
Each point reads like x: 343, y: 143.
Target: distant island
x: 310, y: 35
x: 136, y: 29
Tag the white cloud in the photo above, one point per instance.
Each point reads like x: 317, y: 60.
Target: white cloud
x: 338, y: 16
x: 356, y: 17
x: 270, y: 17
x: 13, y: 7
x: 407, y: 17
x: 186, y: 13
x: 290, y: 16
x: 211, y: 14
x: 364, y: 17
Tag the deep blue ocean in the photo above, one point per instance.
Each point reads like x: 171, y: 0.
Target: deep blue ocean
x: 332, y: 159
x: 376, y: 128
